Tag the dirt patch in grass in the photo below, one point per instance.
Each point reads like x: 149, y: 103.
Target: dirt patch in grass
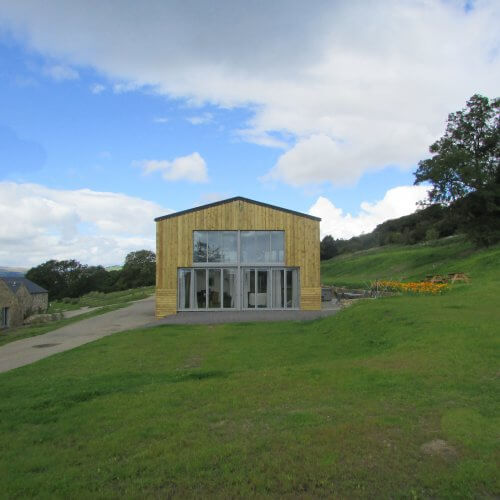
x: 439, y: 448
x: 192, y: 362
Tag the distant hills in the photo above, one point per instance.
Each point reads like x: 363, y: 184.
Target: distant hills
x: 12, y: 272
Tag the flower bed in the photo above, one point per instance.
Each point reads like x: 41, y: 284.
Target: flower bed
x: 413, y: 287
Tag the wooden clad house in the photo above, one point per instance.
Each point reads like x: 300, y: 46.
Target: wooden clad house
x: 237, y: 254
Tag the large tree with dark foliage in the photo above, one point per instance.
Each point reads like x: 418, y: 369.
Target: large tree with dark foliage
x: 67, y: 278
x: 328, y: 248
x: 139, y: 269
x: 467, y: 157
x: 465, y: 169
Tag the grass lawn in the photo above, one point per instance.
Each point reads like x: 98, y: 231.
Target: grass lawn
x: 337, y: 407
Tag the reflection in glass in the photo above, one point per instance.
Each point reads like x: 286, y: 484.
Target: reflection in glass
x: 247, y: 245
x: 214, y: 246
x: 229, y: 287
x: 200, y: 288
x: 261, y: 298
x: 279, y: 288
x: 185, y: 289
x: 292, y: 284
x: 229, y: 246
x: 214, y: 287
x: 249, y: 288
x: 262, y: 246
x: 200, y: 246
x: 277, y: 247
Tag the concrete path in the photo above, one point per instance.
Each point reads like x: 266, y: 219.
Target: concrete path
x: 26, y: 351
x: 77, y: 312
x: 212, y: 317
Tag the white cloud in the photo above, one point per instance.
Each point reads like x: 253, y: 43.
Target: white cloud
x: 200, y: 119
x: 207, y: 198
x: 367, y: 83
x: 261, y: 138
x: 191, y: 168
x: 161, y: 119
x: 397, y: 202
x: 122, y: 87
x: 97, y: 88
x: 59, y: 72
x: 38, y: 223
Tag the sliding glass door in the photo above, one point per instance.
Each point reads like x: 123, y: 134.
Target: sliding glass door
x: 270, y: 288
x: 230, y: 288
x: 252, y: 288
x: 212, y: 288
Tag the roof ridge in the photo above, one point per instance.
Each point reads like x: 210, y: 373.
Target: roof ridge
x: 230, y: 200
x: 31, y: 286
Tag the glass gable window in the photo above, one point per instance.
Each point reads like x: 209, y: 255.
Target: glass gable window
x: 215, y: 246
x: 262, y: 247
x: 256, y: 247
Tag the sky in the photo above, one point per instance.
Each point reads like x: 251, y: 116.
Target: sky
x: 113, y: 113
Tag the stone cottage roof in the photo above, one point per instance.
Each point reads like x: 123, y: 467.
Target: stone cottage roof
x: 14, y: 283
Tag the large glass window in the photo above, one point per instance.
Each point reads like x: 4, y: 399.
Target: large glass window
x: 262, y: 247
x: 256, y: 247
x: 215, y: 246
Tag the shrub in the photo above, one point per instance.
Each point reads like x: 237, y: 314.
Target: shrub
x: 431, y: 234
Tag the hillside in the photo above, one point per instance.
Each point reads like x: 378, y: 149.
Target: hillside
x: 409, y: 263
x: 392, y: 398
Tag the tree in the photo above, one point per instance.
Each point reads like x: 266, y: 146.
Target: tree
x: 62, y: 278
x: 328, y: 248
x: 466, y: 158
x: 139, y: 269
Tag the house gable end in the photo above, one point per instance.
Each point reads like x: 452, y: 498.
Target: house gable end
x: 233, y: 200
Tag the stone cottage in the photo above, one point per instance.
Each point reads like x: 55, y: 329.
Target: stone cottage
x: 20, y: 297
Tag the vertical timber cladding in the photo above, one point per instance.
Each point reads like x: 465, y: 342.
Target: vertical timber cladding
x: 174, y: 245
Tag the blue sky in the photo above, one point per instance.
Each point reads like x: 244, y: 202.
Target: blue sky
x: 112, y: 115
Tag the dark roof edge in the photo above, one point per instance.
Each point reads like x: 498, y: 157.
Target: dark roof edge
x: 229, y: 200
x: 32, y: 287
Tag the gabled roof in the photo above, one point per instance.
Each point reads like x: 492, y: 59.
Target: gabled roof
x: 230, y: 200
x: 15, y: 283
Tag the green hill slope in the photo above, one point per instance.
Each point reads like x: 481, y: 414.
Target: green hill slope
x: 410, y: 263
x: 394, y: 397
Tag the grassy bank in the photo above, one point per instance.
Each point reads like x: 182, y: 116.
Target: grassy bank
x: 410, y: 263
x: 338, y: 407
x: 100, y: 299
